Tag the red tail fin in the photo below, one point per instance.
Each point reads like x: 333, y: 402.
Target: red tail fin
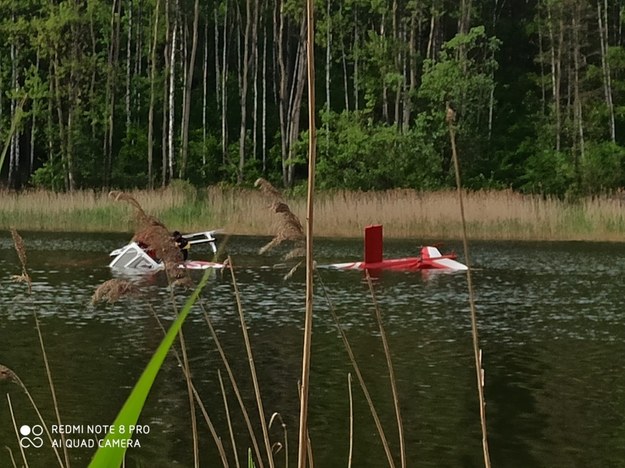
x: 374, y: 243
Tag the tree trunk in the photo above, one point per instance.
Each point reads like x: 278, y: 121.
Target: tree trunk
x: 171, y: 95
x: 204, y: 95
x: 556, y: 55
x: 412, y: 71
x: 113, y: 59
x: 328, y: 69
x: 579, y: 117
x: 224, y: 78
x: 602, y: 18
x: 152, y: 96
x: 264, y: 112
x: 14, y: 147
x: 187, y: 93
x: 344, y: 62
x: 165, y: 107
x: 128, y: 60
x: 356, y: 52
x: 299, y: 82
x: 244, y: 81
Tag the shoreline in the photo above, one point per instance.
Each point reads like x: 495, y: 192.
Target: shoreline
x: 492, y: 215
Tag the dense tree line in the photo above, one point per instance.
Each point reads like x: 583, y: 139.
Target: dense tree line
x: 136, y: 93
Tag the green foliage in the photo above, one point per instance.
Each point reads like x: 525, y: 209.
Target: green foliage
x: 463, y: 76
x: 384, y: 59
x: 198, y: 172
x: 49, y: 176
x: 130, y: 169
x: 603, y: 168
x: 548, y: 172
x: 357, y: 154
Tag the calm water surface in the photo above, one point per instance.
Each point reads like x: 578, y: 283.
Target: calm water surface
x: 552, y: 330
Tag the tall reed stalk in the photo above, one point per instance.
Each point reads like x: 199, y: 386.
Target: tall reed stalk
x: 308, y: 320
x: 351, y: 420
x: 113, y: 455
x: 21, y: 253
x: 250, y: 358
x: 479, y: 371
x: 230, y: 430
x: 187, y: 374
x: 196, y: 395
x: 235, y: 388
x: 11, y: 376
x: 17, y: 434
x: 361, y: 380
x: 391, y: 371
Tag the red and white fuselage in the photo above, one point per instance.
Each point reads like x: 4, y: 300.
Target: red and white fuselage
x: 430, y: 258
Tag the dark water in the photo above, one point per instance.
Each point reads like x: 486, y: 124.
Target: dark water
x: 552, y: 330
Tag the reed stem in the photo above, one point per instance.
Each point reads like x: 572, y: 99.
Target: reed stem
x: 196, y: 395
x: 250, y: 358
x: 351, y: 420
x: 235, y: 387
x: 391, y: 371
x: 451, y: 116
x: 308, y: 320
x: 227, y: 408
x: 361, y: 380
x: 17, y: 434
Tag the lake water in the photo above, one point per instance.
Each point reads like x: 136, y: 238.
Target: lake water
x: 551, y: 324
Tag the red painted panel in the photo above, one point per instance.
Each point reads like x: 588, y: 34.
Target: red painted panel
x: 374, y: 244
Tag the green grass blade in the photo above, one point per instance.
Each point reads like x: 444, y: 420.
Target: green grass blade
x: 112, y: 450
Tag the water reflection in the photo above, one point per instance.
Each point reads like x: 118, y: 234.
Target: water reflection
x: 551, y: 329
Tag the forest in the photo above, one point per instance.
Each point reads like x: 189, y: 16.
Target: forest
x: 136, y: 93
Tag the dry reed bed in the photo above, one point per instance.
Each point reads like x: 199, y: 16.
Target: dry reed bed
x: 404, y: 213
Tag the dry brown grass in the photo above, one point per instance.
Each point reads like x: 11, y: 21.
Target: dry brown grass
x: 404, y: 213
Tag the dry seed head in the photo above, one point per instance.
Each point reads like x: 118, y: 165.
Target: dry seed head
x: 158, y: 239
x: 112, y: 290
x: 121, y: 196
x: 23, y: 278
x: 19, y: 247
x: 289, y: 228
x: 8, y: 375
x: 292, y: 272
x: 151, y: 232
x: 268, y: 189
